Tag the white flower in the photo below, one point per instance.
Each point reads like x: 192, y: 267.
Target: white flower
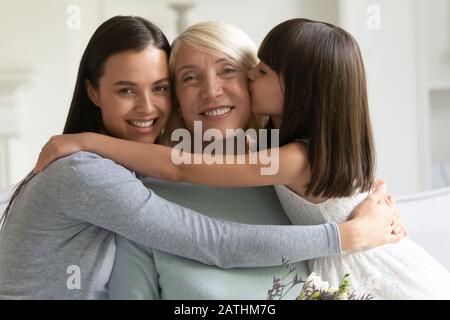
x: 316, y: 281
x: 315, y: 288
x: 324, y: 286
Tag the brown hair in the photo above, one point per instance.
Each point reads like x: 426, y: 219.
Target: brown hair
x: 118, y: 34
x: 325, y: 102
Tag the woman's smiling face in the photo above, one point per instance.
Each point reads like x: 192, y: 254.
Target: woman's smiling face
x: 134, y: 94
x: 211, y: 88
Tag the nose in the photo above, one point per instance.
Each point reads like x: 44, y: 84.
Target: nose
x: 144, y: 103
x: 212, y: 88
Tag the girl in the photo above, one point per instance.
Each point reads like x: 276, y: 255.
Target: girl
x: 311, y: 83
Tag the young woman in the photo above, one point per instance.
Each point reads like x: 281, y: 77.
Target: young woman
x: 58, y: 237
x: 227, y: 64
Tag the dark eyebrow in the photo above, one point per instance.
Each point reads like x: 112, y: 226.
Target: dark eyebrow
x: 131, y: 83
x: 125, y: 83
x: 162, y: 80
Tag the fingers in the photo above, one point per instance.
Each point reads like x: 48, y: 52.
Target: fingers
x: 39, y: 165
x: 391, y: 199
x: 43, y: 163
x: 378, y: 195
x: 44, y: 158
x: 397, y: 225
x: 51, y: 151
x: 379, y: 183
x: 394, y: 238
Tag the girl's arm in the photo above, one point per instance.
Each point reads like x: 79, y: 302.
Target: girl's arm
x: 100, y: 192
x: 285, y: 165
x: 89, y: 188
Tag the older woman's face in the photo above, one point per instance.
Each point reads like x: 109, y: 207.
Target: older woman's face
x: 211, y: 88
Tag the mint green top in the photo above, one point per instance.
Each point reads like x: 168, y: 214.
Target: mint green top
x: 141, y: 273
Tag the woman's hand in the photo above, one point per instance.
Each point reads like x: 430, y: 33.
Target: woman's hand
x: 390, y: 201
x: 60, y: 146
x: 374, y: 222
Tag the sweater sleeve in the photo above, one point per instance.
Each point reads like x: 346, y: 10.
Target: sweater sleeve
x: 98, y: 191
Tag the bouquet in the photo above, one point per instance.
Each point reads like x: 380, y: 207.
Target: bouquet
x: 313, y: 287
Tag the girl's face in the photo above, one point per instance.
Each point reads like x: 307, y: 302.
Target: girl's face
x: 267, y: 92
x: 134, y: 94
x: 211, y: 88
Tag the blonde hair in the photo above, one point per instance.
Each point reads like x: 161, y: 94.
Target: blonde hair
x: 212, y: 37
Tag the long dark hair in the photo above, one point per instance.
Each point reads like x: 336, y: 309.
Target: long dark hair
x: 325, y: 103
x: 120, y: 33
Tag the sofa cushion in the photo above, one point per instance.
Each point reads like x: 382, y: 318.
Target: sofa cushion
x: 427, y: 220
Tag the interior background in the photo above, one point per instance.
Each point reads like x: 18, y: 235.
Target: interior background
x: 405, y: 44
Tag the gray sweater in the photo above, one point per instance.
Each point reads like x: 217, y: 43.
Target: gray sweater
x: 58, y: 242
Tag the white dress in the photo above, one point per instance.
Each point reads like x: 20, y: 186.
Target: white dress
x: 396, y: 271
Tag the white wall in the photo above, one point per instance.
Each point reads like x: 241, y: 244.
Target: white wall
x: 437, y: 23
x: 254, y: 17
x: 440, y: 133
x: 390, y: 59
x: 34, y: 36
x: 437, y: 88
